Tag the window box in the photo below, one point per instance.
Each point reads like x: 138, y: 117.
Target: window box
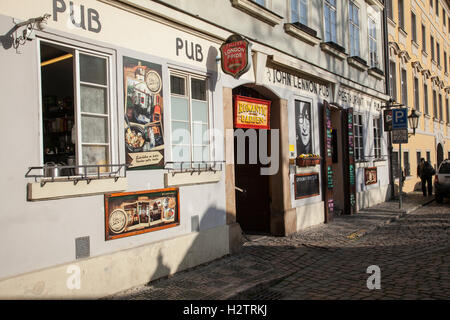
x: 377, y: 73
x: 257, y: 11
x: 358, y: 62
x: 302, y: 32
x: 307, y: 162
x: 334, y: 49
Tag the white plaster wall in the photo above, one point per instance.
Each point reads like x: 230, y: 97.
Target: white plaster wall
x: 42, y: 234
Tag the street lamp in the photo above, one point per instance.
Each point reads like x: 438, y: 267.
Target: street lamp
x: 413, y: 119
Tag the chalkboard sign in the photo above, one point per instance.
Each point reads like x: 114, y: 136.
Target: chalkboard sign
x: 306, y: 185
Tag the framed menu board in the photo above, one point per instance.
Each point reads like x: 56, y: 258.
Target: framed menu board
x: 306, y: 185
x: 132, y: 213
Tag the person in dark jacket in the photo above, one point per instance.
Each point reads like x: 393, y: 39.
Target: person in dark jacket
x: 426, y: 171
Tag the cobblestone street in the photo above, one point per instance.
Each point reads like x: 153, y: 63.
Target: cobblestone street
x: 327, y: 262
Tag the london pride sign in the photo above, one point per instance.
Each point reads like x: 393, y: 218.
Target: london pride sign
x: 235, y: 53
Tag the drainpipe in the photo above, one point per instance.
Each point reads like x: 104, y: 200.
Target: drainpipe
x: 387, y: 88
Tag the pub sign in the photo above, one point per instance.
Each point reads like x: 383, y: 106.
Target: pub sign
x: 251, y: 113
x: 235, y: 56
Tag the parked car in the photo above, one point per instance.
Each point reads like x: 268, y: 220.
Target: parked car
x: 442, y: 181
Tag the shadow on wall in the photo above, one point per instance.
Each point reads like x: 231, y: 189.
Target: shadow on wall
x: 202, y: 249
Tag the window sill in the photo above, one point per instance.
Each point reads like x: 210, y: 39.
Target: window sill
x: 304, y: 35
x: 172, y: 179
x: 424, y: 54
x: 377, y: 73
x: 257, y: 11
x: 415, y: 44
x: 391, y: 22
x: 380, y: 163
x: 333, y: 49
x: 402, y: 31
x: 427, y: 116
x: 358, y: 63
x: 59, y: 189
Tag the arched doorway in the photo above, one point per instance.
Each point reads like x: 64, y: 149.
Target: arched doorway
x: 440, y: 155
x: 254, y: 192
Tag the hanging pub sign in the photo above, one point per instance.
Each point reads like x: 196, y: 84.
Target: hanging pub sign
x: 370, y: 175
x: 132, y: 213
x: 387, y: 117
x: 235, y: 56
x: 251, y: 113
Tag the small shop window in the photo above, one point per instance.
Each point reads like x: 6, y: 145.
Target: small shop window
x: 377, y: 137
x: 75, y: 109
x: 189, y: 121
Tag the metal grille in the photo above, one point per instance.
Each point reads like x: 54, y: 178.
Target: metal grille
x: 82, y: 247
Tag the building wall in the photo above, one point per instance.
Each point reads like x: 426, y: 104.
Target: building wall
x: 418, y: 61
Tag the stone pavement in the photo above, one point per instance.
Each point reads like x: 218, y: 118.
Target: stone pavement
x: 412, y: 249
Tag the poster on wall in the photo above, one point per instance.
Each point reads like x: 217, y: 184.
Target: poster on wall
x: 144, y: 136
x: 303, y: 127
x: 132, y: 213
x: 251, y: 113
x: 370, y: 175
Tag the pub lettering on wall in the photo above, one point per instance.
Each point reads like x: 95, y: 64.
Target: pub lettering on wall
x: 191, y: 50
x: 78, y: 13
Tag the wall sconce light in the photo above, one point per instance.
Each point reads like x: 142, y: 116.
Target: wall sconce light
x: 30, y: 25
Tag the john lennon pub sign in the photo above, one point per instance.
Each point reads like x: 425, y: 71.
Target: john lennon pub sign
x: 235, y: 53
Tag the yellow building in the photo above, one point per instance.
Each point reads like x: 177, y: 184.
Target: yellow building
x: 419, y: 62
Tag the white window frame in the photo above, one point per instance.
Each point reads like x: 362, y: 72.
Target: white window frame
x: 298, y: 4
x: 331, y: 28
x: 373, y: 54
x: 188, y: 76
x: 111, y: 117
x: 352, y: 25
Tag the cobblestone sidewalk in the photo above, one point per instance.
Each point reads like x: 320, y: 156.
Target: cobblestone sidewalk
x: 307, y: 264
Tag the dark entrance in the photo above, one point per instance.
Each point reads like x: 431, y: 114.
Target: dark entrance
x: 440, y: 155
x: 252, y: 189
x: 338, y: 166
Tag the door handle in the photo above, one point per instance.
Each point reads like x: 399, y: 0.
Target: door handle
x: 240, y: 190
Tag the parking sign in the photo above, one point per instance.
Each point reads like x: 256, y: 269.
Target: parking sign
x: 399, y: 119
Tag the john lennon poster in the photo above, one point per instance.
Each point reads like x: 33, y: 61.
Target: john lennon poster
x: 144, y: 136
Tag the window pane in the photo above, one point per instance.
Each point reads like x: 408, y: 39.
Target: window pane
x: 177, y: 85
x: 198, y: 88
x: 180, y: 133
x: 201, y: 154
x: 95, y: 155
x: 199, y: 134
x: 181, y: 153
x: 180, y: 108
x: 94, y: 129
x: 92, y: 69
x: 93, y: 99
x: 199, y: 111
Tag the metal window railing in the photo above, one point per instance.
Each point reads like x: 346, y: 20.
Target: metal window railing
x: 193, y: 166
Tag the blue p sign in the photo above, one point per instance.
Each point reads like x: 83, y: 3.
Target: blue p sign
x: 400, y: 119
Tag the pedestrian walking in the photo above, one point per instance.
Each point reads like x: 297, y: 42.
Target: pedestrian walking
x: 425, y: 171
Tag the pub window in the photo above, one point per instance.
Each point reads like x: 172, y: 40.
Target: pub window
x: 406, y: 166
x: 404, y: 85
x: 416, y: 94
x: 330, y: 20
x: 393, y: 80
x: 401, y: 18
x: 353, y: 25
x: 373, y: 44
x: 432, y: 47
x: 189, y: 120
x: 425, y: 97
x: 299, y: 11
x: 413, y: 27
x: 377, y: 137
x: 395, y: 164
x: 424, y: 39
x: 76, y: 108
x: 390, y: 13
x: 359, y: 141
x: 435, y: 110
